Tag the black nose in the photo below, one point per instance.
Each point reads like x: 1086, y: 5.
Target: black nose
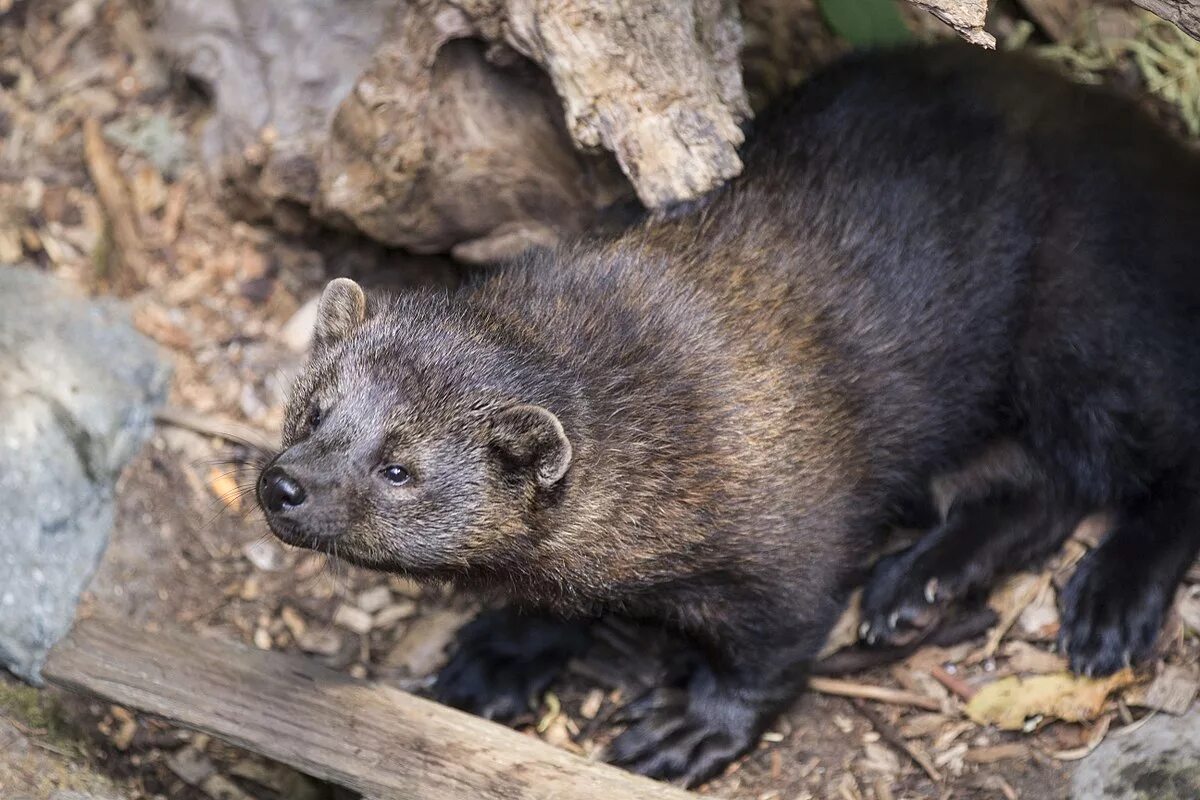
x: 280, y: 490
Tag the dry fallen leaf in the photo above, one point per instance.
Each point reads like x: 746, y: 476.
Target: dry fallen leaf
x: 123, y: 731
x: 162, y: 326
x: 374, y: 599
x: 1009, y: 702
x: 591, y: 704
x: 1025, y: 658
x: 845, y: 631
x: 293, y: 622
x: 393, y: 613
x: 224, y: 486
x: 918, y: 725
x: 352, y: 619
x: 1010, y: 601
x: 1172, y: 690
x: 879, y: 758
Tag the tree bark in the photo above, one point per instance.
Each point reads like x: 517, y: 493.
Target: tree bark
x: 1184, y: 13
x: 483, y: 127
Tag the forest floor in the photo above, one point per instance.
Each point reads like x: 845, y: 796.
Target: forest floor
x: 227, y: 300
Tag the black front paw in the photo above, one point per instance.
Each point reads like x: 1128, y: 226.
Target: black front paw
x: 503, y: 661
x: 686, y: 735
x: 1111, y: 615
x: 902, y: 602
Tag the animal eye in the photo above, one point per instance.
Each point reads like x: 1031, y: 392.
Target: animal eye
x: 395, y: 474
x: 314, y: 418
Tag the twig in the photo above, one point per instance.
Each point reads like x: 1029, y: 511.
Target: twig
x: 866, y: 691
x: 1134, y: 727
x: 173, y: 214
x: 113, y: 193
x: 23, y: 728
x: 957, y: 685
x: 892, y: 736
x: 61, y: 751
x: 1095, y: 737
x: 218, y: 426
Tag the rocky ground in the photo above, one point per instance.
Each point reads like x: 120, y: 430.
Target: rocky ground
x: 100, y: 185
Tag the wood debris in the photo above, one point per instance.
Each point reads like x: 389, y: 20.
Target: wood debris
x: 353, y: 619
x: 132, y: 263
x: 880, y: 694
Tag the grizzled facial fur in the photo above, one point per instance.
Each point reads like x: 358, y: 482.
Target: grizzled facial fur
x: 399, y: 436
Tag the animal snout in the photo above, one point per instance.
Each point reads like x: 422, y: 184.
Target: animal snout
x: 279, y: 491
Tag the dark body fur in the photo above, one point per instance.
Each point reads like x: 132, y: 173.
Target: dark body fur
x: 937, y: 263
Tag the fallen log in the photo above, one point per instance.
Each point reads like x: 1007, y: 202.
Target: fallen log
x: 374, y: 739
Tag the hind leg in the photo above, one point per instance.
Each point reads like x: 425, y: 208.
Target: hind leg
x: 1114, y: 605
x: 999, y: 514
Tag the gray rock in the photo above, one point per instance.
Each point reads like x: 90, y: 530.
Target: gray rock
x: 1161, y: 761
x: 78, y: 387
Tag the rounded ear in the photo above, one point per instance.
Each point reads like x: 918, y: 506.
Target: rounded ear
x: 532, y: 436
x: 342, y: 308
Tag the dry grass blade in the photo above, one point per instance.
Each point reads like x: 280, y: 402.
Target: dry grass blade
x: 117, y: 203
x: 890, y: 735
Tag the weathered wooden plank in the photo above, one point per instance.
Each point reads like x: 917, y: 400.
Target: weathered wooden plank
x: 375, y: 739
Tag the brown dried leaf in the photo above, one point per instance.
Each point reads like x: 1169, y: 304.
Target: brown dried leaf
x: 352, y: 619
x: 845, y: 631
x: 422, y: 649
x: 11, y: 248
x: 1172, y: 690
x: 879, y: 758
x: 919, y: 725
x: 1039, y: 619
x: 262, y: 639
x: 325, y: 642
x: 148, y: 190
x: 126, y: 727
x: 374, y: 599
x: 1010, y: 601
x: 224, y: 486
x: 393, y: 613
x: 158, y: 325
x: 1025, y: 658
x: 293, y: 622
x: 591, y: 704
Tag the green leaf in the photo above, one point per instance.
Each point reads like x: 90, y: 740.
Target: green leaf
x: 866, y: 23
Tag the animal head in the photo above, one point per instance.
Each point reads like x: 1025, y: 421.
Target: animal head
x: 419, y: 437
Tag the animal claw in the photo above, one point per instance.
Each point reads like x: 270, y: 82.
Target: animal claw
x: 931, y: 587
